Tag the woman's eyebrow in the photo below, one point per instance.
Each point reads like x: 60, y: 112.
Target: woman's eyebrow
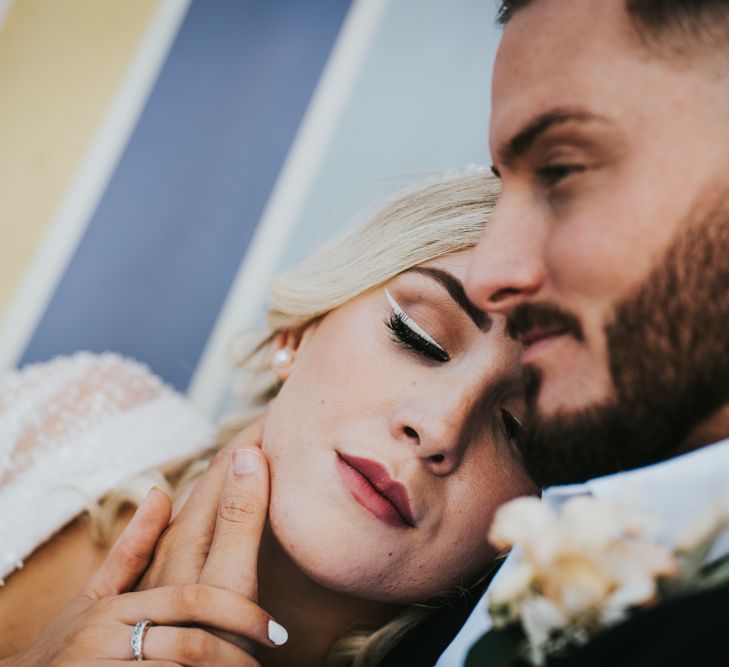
x: 454, y: 287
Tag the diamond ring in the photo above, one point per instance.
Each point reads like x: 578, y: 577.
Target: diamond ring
x: 138, y: 633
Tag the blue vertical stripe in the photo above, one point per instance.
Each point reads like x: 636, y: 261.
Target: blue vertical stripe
x: 151, y: 273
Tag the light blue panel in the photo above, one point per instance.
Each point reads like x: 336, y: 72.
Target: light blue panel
x: 421, y: 103
x: 157, y: 259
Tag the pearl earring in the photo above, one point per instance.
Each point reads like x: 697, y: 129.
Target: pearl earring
x: 282, y: 357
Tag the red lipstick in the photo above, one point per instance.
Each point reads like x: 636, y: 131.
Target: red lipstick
x: 374, y: 489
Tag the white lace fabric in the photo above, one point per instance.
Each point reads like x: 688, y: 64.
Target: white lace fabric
x: 74, y: 428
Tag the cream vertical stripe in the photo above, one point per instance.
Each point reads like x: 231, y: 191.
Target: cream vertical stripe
x: 60, y: 63
x: 73, y: 107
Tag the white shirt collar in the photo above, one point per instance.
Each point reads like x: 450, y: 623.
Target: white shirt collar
x: 672, y: 491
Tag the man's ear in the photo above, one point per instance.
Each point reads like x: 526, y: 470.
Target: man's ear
x: 285, y: 347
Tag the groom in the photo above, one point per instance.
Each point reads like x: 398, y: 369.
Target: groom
x: 609, y: 254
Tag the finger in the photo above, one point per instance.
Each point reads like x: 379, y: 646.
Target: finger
x: 133, y: 549
x: 199, y: 604
x: 189, y: 537
x: 115, y: 663
x: 194, y: 647
x: 197, y: 516
x: 165, y: 645
x: 212, y: 480
x: 233, y: 559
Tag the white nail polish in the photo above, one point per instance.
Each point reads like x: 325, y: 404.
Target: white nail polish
x: 277, y: 633
x: 246, y: 461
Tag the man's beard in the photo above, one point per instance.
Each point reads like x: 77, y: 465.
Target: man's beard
x: 668, y: 350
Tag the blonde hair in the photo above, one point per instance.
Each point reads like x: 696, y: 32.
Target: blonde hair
x: 441, y: 215
x: 444, y: 214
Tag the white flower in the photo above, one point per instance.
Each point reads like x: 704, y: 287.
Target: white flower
x: 575, y: 571
x: 576, y: 583
x: 518, y: 520
x: 630, y: 559
x: 632, y: 594
x: 588, y: 567
x: 540, y: 618
x: 591, y: 524
x: 512, y: 584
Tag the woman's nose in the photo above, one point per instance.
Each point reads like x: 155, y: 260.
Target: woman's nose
x: 436, y: 433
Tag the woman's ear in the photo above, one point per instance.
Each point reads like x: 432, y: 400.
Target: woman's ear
x: 285, y: 346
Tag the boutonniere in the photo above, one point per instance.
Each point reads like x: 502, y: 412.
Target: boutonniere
x: 576, y: 573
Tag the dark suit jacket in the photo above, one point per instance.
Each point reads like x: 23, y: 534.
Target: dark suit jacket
x: 688, y: 632
x: 685, y: 632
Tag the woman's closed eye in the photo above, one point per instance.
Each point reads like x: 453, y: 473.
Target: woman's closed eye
x: 511, y: 426
x: 408, y: 332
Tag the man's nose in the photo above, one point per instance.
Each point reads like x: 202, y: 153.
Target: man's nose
x: 507, y: 265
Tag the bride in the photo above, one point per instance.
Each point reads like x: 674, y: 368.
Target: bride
x: 392, y: 407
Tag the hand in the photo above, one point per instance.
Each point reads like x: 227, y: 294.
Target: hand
x: 95, y: 629
x: 216, y: 537
x: 184, y: 548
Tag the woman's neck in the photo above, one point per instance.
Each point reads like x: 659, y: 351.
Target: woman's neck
x: 314, y: 616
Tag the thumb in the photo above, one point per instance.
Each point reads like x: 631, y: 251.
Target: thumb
x: 133, y: 549
x: 232, y: 562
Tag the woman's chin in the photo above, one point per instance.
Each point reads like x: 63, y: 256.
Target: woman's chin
x: 331, y: 557
x: 334, y: 557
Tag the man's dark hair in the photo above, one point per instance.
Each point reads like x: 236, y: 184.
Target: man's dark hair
x: 678, y: 26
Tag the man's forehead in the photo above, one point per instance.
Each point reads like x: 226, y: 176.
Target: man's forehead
x: 548, y: 22
x: 555, y: 55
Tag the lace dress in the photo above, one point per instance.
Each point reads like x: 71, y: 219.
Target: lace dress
x: 74, y: 428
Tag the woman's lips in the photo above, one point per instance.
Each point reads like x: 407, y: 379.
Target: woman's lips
x: 374, y: 489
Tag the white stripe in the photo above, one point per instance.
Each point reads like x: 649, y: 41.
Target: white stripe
x: 4, y: 7
x: 245, y: 301
x: 35, y: 290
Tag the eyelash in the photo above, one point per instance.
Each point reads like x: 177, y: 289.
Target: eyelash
x: 404, y: 335
x: 554, y: 173
x: 408, y: 332
x: 511, y: 425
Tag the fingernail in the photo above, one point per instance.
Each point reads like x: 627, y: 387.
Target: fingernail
x: 246, y: 461
x: 136, y: 517
x: 277, y: 633
x: 144, y: 501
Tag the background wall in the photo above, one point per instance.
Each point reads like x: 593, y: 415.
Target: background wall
x: 163, y: 158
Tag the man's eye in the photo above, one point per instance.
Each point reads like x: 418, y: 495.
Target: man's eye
x: 554, y: 173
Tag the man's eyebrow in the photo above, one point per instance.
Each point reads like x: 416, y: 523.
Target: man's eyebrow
x: 454, y: 287
x: 520, y: 143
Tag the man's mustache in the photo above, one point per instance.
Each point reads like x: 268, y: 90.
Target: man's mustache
x: 530, y: 317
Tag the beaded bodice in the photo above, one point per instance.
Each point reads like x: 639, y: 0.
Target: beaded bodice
x: 74, y: 428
